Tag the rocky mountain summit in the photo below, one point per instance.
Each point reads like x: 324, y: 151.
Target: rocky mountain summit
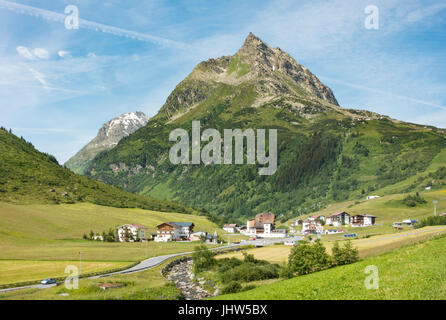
x: 270, y: 71
x: 108, y: 136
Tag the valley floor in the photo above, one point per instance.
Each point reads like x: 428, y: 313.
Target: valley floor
x: 39, y: 241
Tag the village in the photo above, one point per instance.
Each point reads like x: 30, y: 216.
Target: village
x: 263, y: 226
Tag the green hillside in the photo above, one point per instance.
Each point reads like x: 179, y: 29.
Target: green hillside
x: 413, y: 272
x: 326, y: 153
x: 29, y: 176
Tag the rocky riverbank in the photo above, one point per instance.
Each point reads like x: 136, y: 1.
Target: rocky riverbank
x: 181, y: 275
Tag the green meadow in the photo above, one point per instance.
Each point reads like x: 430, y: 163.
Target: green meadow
x: 413, y: 272
x: 34, y: 234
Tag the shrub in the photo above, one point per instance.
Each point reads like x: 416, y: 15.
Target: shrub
x: 347, y: 254
x: 203, y: 259
x: 249, y: 271
x: 307, y: 258
x: 249, y: 258
x: 431, y: 221
x: 226, y: 264
x: 286, y: 272
x: 412, y: 201
x: 232, y: 287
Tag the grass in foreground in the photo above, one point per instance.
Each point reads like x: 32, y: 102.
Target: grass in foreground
x: 412, y: 272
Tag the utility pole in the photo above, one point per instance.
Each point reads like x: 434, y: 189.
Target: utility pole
x: 147, y: 248
x: 435, y: 207
x: 80, y: 263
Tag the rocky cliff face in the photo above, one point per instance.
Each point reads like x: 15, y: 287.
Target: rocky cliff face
x: 108, y: 136
x: 271, y: 71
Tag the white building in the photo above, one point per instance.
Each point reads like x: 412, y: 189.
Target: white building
x: 131, y: 232
x: 319, y: 217
x: 170, y: 231
x: 338, y: 219
x: 312, y: 226
x: 372, y: 197
x: 363, y: 220
x: 263, y: 226
x: 333, y: 231
x: 231, y: 228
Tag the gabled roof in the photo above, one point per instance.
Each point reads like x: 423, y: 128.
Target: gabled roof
x: 230, y: 225
x: 183, y: 224
x: 137, y: 226
x: 336, y: 214
x: 263, y: 218
x: 199, y: 233
x: 177, y: 224
x: 365, y: 215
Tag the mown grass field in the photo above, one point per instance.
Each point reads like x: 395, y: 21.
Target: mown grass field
x: 31, y: 233
x: 145, y: 285
x: 413, y: 272
x: 28, y: 270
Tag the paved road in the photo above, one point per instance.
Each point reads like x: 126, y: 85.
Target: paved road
x: 156, y: 261
x: 404, y: 234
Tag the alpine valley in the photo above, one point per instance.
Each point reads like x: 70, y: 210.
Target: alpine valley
x: 326, y: 153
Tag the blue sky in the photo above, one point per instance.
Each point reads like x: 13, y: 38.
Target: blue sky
x: 58, y: 86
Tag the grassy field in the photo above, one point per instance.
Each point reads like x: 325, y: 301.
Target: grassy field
x: 30, y: 233
x: 145, y: 285
x: 20, y: 271
x: 413, y: 272
x: 367, y: 247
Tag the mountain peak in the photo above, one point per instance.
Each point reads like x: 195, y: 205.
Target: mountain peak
x: 253, y: 43
x: 108, y: 136
x: 270, y: 72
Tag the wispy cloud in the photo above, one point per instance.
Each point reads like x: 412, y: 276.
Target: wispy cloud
x: 58, y: 17
x: 383, y: 92
x: 41, y: 53
x: 25, y: 53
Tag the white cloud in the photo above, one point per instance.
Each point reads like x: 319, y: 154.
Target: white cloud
x: 41, y: 53
x: 64, y: 54
x: 25, y: 53
x: 39, y: 77
x: 423, y: 13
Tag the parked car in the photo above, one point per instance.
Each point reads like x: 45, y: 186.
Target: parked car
x: 48, y: 281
